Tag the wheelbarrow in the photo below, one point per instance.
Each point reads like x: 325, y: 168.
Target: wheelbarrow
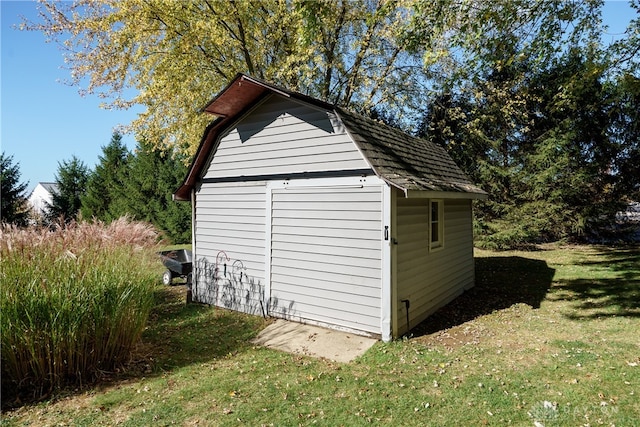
x: 178, y: 263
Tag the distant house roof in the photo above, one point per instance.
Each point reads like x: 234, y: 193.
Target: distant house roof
x: 51, y: 187
x: 42, y: 196
x: 403, y: 161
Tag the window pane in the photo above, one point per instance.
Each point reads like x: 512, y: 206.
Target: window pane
x: 436, y: 231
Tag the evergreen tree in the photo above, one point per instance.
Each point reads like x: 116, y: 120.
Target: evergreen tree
x: 13, y: 208
x: 153, y: 176
x: 561, y: 165
x: 482, y: 130
x: 569, y: 184
x: 624, y: 130
x: 103, y: 196
x: 72, y: 179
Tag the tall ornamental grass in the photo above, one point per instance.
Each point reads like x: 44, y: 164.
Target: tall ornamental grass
x: 74, y: 301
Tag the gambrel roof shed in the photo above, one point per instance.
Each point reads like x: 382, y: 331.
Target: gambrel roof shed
x: 309, y: 212
x: 403, y: 161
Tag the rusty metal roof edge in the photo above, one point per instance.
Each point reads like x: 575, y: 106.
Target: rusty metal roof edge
x: 215, y: 98
x: 182, y: 193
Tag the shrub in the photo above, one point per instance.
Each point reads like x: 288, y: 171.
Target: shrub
x: 74, y: 301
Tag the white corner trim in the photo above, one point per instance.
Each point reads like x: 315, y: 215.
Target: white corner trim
x: 267, y: 247
x: 194, y: 256
x: 386, y: 305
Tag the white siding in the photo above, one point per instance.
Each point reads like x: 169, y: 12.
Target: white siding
x: 429, y: 280
x: 281, y: 136
x: 40, y: 199
x: 326, y: 256
x: 316, y: 249
x: 230, y: 223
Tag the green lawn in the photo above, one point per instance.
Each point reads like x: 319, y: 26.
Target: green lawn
x: 550, y: 336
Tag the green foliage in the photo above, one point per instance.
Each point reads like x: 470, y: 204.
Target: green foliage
x: 13, y: 209
x: 531, y: 107
x: 72, y: 180
x: 561, y: 164
x: 74, y: 301
x: 139, y: 185
x: 521, y: 92
x: 105, y: 186
x: 177, y: 54
x: 461, y: 41
x: 570, y: 154
x: 498, y: 358
x: 624, y: 131
x: 152, y: 177
x: 625, y: 51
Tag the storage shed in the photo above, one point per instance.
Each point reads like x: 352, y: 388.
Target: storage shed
x: 308, y: 212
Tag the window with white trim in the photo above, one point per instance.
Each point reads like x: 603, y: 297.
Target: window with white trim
x: 436, y: 224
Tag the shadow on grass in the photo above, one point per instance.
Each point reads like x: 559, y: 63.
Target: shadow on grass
x: 623, y: 260
x: 500, y: 283
x: 613, y: 290
x: 179, y: 334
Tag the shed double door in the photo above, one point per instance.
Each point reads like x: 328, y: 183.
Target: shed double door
x: 325, y: 255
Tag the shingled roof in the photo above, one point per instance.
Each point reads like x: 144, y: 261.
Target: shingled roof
x: 403, y: 161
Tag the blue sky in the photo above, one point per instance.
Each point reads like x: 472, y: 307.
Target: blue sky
x: 45, y: 121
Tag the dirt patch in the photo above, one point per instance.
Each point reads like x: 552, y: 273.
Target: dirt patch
x: 507, y: 332
x: 508, y: 286
x: 453, y: 338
